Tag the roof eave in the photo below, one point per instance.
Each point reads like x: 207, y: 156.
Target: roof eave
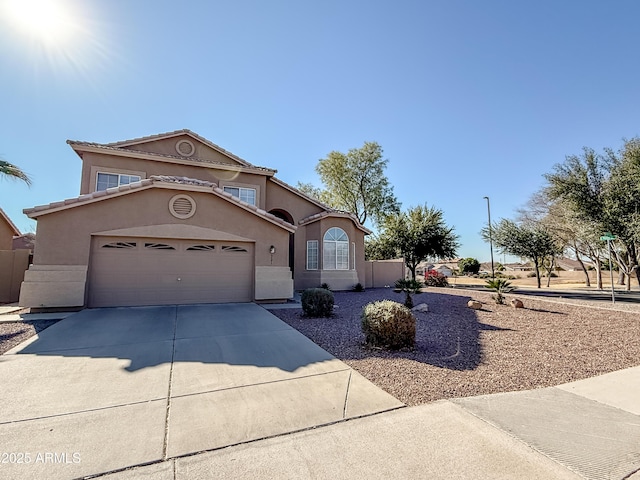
x: 146, y: 184
x: 15, y: 229
x: 80, y: 147
x: 177, y: 133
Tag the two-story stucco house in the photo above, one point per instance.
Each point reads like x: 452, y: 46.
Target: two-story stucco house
x: 173, y: 219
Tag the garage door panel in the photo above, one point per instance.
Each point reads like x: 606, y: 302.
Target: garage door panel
x: 160, y: 272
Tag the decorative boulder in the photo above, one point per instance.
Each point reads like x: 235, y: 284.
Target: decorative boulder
x: 423, y: 307
x: 474, y: 304
x: 516, y: 303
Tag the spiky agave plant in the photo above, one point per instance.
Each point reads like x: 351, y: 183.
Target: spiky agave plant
x: 500, y: 286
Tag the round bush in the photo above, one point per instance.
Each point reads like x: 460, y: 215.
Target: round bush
x: 317, y: 302
x: 389, y: 325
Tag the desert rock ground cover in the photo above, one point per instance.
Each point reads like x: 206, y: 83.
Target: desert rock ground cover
x: 14, y: 333
x: 462, y: 352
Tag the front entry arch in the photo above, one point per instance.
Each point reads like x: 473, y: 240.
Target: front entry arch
x: 286, y: 216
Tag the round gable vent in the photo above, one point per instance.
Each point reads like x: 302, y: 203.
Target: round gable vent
x: 182, y: 206
x: 185, y: 148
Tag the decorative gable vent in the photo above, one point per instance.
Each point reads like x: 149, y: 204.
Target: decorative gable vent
x: 185, y: 148
x: 182, y: 206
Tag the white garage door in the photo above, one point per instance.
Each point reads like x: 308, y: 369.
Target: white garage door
x: 147, y: 271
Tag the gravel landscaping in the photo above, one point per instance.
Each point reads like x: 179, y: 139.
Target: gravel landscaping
x: 14, y: 333
x: 461, y: 352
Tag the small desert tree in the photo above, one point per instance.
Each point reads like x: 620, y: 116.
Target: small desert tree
x: 420, y: 233
x: 534, y: 243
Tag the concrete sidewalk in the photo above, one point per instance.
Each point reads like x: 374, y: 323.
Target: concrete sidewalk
x: 588, y: 429
x: 107, y: 389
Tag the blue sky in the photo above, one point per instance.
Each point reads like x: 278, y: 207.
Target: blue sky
x: 466, y: 98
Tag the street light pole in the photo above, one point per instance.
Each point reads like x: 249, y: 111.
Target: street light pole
x: 490, y: 236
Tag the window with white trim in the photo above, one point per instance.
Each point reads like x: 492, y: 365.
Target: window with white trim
x: 312, y: 254
x: 245, y: 194
x: 335, y: 253
x: 353, y: 255
x: 110, y: 180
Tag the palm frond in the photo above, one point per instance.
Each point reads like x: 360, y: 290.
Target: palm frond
x: 12, y: 171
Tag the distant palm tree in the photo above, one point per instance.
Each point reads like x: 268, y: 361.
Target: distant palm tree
x: 11, y: 171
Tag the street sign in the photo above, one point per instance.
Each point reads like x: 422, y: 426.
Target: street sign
x: 608, y: 236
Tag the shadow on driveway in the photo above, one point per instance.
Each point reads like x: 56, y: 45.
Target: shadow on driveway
x: 234, y: 334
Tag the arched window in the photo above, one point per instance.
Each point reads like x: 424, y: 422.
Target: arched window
x: 335, y: 250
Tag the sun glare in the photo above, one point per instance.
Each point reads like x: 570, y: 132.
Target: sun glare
x: 47, y: 20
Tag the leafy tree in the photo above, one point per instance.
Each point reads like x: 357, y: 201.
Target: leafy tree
x: 420, y: 233
x: 604, y: 192
x: 379, y: 247
x: 534, y: 243
x: 313, y: 191
x: 576, y: 235
x: 356, y: 182
x: 468, y: 265
x: 11, y: 171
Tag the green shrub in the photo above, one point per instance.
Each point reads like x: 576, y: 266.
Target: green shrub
x: 317, y: 302
x: 389, y: 325
x: 358, y: 287
x: 500, y: 286
x: 325, y: 286
x: 468, y: 265
x: 531, y: 274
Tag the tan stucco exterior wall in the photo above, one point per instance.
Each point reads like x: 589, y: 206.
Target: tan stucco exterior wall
x: 383, y: 273
x: 64, y: 237
x: 94, y: 162
x: 6, y: 235
x: 13, y: 264
x: 280, y: 198
x: 62, y: 254
x: 168, y: 147
x: 337, y: 279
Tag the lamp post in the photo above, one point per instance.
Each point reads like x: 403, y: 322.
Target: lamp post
x: 490, y: 236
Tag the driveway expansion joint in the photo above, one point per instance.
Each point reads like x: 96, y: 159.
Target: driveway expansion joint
x: 80, y: 412
x: 249, y: 385
x: 165, y: 444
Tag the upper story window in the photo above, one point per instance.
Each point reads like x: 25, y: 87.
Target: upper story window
x: 245, y: 194
x: 109, y: 180
x: 335, y: 255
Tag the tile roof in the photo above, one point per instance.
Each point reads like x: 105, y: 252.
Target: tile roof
x: 12, y: 225
x: 327, y: 208
x: 334, y: 213
x: 110, y: 148
x: 302, y: 194
x: 182, y: 180
x: 184, y: 131
x: 149, y: 182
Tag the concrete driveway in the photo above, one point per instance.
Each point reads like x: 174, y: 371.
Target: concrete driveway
x: 106, y: 389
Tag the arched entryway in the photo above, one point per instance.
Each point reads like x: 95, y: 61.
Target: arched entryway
x: 286, y: 216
